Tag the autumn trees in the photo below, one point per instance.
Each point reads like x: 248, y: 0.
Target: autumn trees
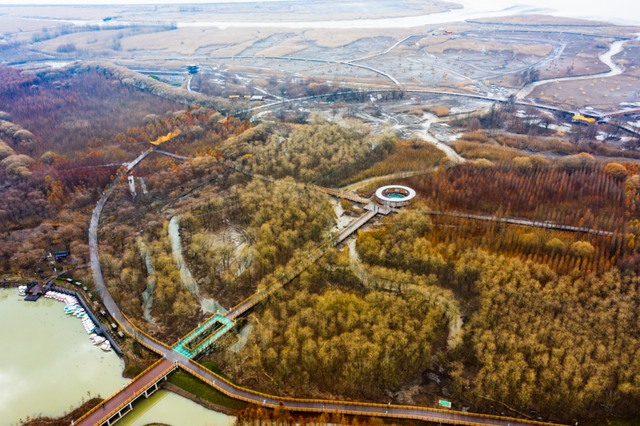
x: 317, y: 152
x: 561, y: 344
x: 275, y: 223
x: 341, y: 342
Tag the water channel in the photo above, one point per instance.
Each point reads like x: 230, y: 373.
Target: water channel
x: 206, y: 304
x: 168, y: 408
x: 47, y: 362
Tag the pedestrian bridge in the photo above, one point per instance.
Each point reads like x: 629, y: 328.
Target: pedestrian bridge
x: 204, y: 336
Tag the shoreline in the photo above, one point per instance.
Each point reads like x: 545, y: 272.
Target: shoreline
x: 202, y: 402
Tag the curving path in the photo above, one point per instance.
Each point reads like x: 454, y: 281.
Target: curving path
x: 173, y: 359
x: 606, y: 57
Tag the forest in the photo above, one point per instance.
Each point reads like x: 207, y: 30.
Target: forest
x: 560, y: 344
x: 425, y: 303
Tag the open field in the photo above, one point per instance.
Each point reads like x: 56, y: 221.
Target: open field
x: 14, y: 25
x: 605, y: 94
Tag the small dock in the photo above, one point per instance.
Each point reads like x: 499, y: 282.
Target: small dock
x: 35, y: 290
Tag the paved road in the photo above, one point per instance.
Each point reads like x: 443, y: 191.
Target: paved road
x: 96, y: 270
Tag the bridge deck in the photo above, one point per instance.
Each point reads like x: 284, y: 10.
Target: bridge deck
x: 120, y: 399
x: 340, y: 194
x: 345, y: 407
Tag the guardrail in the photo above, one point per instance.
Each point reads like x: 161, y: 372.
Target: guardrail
x: 293, y: 272
x: 142, y: 332
x: 355, y: 404
x: 118, y: 391
x: 341, y: 194
x: 136, y: 394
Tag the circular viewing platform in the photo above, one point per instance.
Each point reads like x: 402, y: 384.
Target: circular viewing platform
x: 395, y: 195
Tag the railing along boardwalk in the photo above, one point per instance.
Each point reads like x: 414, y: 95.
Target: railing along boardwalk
x: 341, y: 194
x: 348, y: 407
x: 524, y: 222
x: 121, y: 401
x: 116, y: 403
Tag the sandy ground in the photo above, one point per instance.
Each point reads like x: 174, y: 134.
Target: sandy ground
x: 342, y: 220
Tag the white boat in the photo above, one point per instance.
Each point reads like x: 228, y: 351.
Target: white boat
x: 106, y: 347
x: 98, y: 340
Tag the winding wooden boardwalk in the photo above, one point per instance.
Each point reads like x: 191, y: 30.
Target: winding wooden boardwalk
x: 120, y: 402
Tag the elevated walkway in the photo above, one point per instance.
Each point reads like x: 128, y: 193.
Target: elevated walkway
x: 213, y: 333
x: 146, y: 383
x: 120, y: 403
x: 340, y: 194
x: 204, y: 336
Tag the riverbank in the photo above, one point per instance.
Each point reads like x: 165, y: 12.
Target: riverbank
x: 205, y: 395
x: 65, y: 420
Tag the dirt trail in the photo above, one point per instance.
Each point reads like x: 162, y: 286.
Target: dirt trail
x: 606, y: 57
x: 429, y: 119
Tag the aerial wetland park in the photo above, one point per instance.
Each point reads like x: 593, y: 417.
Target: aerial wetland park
x: 320, y: 212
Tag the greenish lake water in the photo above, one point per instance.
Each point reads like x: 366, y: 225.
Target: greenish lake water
x: 47, y: 361
x: 169, y: 408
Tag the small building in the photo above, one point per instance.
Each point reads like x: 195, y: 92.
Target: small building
x: 581, y: 119
x: 597, y: 116
x: 60, y: 255
x: 34, y: 291
x: 193, y: 69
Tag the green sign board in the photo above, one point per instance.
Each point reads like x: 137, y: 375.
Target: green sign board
x: 445, y: 403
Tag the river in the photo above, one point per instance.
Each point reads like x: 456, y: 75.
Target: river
x: 47, y: 362
x: 620, y: 12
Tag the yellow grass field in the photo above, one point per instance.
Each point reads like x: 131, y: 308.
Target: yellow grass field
x: 188, y: 40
